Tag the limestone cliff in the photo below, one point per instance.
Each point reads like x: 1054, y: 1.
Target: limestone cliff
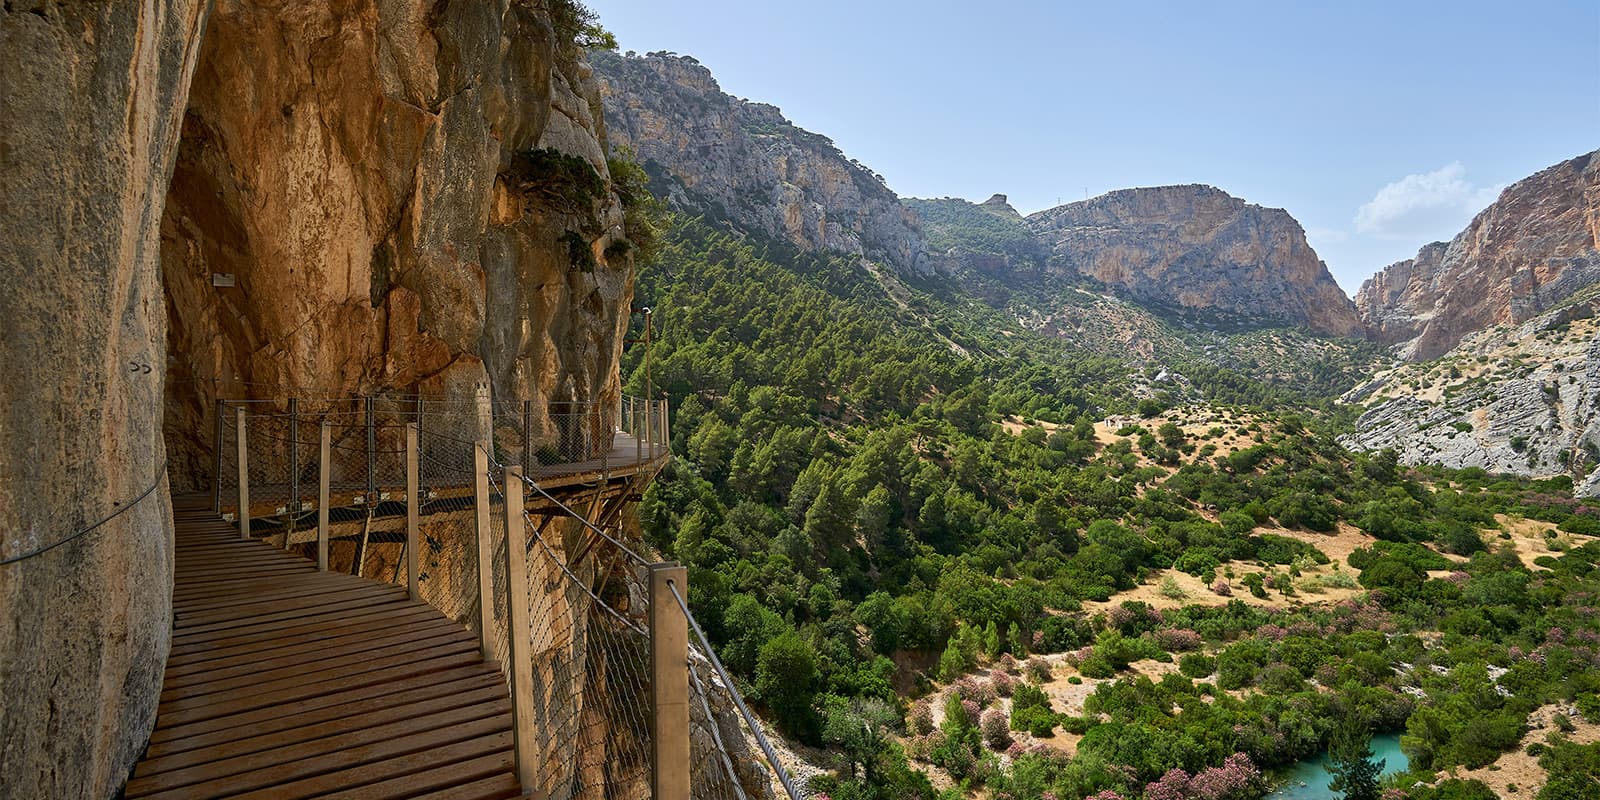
x: 1198, y: 249
x: 746, y: 161
x: 1518, y: 399
x: 1537, y: 245
x: 91, y: 97
x: 389, y: 196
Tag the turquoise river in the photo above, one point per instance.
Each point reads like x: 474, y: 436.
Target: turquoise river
x: 1307, y: 780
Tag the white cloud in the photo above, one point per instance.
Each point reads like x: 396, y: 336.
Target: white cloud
x: 1428, y: 205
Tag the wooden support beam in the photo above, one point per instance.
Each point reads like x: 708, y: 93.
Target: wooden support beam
x: 244, y: 476
x: 480, y: 475
x: 669, y: 684
x: 517, y: 630
x: 413, y: 511
x: 323, y: 478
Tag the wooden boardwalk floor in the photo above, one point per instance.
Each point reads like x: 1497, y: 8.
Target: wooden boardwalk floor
x: 286, y: 682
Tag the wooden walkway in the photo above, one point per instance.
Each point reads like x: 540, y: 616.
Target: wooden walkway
x: 287, y: 682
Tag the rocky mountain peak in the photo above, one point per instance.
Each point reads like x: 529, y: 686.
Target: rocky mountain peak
x: 747, y: 161
x: 998, y: 204
x: 1535, y: 246
x: 1197, y: 248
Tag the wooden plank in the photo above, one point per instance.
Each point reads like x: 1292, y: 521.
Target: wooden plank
x: 498, y: 787
x: 179, y: 712
x: 264, y: 719
x: 270, y: 619
x: 284, y: 748
x: 332, y: 768
x: 323, y: 626
x: 440, y: 643
x: 296, y: 651
x: 382, y: 770
x: 318, y: 722
x: 314, y: 636
x: 486, y: 778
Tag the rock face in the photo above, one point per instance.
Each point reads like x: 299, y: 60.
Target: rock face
x: 83, y: 626
x: 746, y: 161
x: 1198, y: 249
x: 376, y: 196
x: 1519, y: 400
x: 1537, y: 245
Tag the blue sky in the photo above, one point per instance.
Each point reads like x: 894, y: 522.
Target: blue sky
x: 1381, y: 126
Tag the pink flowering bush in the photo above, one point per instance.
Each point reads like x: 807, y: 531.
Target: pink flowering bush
x: 1108, y: 794
x: 1236, y: 779
x: 1222, y: 588
x: 920, y: 720
x: 976, y: 690
x: 1003, y: 683
x: 1039, y: 669
x: 1178, y: 640
x: 972, y: 709
x: 1172, y: 786
x: 996, y: 728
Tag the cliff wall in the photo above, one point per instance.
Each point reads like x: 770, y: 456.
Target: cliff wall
x: 91, y: 98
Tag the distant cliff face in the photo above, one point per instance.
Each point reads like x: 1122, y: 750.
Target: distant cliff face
x: 746, y: 160
x: 1537, y: 245
x: 1196, y: 248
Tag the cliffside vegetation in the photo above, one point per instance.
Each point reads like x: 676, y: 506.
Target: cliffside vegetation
x: 898, y: 510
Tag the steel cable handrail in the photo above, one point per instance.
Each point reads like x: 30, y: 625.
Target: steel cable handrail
x: 161, y: 475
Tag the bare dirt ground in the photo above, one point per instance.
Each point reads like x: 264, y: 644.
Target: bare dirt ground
x: 1516, y: 768
x: 1528, y: 537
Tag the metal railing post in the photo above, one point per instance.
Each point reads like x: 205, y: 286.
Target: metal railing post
x: 323, y: 479
x: 293, y: 506
x: 216, y: 474
x: 527, y: 435
x: 244, y: 477
x: 669, y: 683
x: 517, y: 630
x: 666, y: 427
x: 649, y: 429
x: 413, y: 510
x: 421, y: 439
x: 372, y: 454
x: 638, y: 437
x: 480, y: 477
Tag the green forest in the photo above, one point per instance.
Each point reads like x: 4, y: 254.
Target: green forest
x: 907, y: 526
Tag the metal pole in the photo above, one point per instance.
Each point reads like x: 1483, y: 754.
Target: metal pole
x: 372, y: 454
x: 669, y: 684
x: 294, y: 467
x: 216, y: 474
x: 413, y: 509
x: 323, y: 477
x: 638, y: 433
x: 518, y: 631
x: 527, y: 435
x: 244, y: 477
x: 421, y: 439
x: 480, y: 470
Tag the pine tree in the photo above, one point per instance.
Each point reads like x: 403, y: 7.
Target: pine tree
x: 1354, y: 772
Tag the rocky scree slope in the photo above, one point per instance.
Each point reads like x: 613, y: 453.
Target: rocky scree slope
x: 1197, y: 249
x: 744, y: 160
x: 1518, y: 399
x: 1535, y: 246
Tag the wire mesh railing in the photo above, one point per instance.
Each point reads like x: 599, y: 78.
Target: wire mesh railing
x: 505, y: 517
